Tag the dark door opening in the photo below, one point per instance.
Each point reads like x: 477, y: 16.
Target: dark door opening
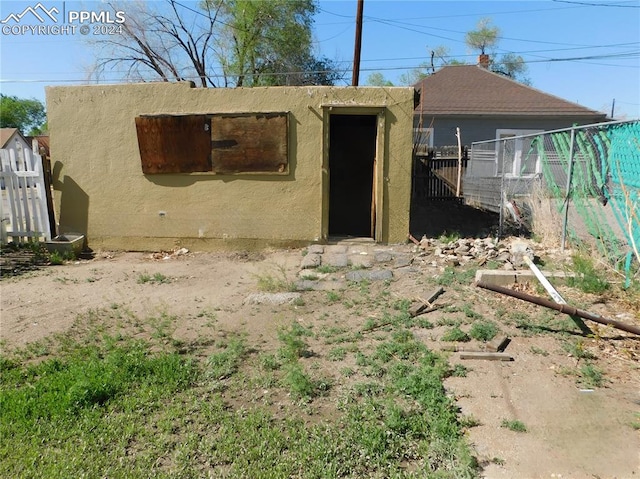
x: 352, y: 156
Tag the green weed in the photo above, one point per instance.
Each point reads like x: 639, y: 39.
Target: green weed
x: 337, y: 354
x: 449, y: 237
x: 591, y: 376
x: 333, y: 297
x: 455, y: 334
x: 514, y: 425
x: 276, y: 284
x: 540, y: 351
x: 298, y: 382
x: 469, y: 312
x: 588, y: 278
x: 577, y: 350
x: 226, y: 362
x: 293, y: 344
x: 635, y: 424
x: 157, y: 278
x: 452, y: 276
x: 468, y: 422
x: 326, y: 269
x: 298, y: 301
x: 483, y: 331
x: 458, y: 371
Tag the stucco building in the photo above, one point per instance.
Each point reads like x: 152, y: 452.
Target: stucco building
x: 158, y: 165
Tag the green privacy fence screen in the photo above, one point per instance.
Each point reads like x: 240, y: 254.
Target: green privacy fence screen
x: 580, y: 185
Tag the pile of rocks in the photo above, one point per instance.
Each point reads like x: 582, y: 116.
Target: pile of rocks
x: 482, y: 250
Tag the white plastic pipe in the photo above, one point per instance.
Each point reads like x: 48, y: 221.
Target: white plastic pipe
x: 544, y: 281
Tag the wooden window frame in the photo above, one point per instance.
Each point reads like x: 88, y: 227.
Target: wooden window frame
x: 254, y: 143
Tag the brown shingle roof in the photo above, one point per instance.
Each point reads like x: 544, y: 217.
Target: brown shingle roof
x: 5, y: 135
x: 473, y: 90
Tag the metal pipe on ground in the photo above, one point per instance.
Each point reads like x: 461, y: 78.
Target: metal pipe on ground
x: 554, y: 294
x: 563, y: 308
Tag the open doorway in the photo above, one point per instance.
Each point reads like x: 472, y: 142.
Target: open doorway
x: 352, y: 159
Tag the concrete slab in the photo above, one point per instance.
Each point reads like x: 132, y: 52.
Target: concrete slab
x: 336, y: 249
x: 311, y: 261
x: 506, y: 278
x: 337, y: 260
x: 361, y: 260
x: 369, y: 275
x: 315, y: 249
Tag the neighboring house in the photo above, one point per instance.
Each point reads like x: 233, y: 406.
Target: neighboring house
x: 481, y: 105
x: 486, y: 105
x: 23, y: 205
x: 12, y: 139
x: 155, y: 165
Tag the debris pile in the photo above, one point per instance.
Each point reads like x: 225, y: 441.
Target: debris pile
x: 165, y: 255
x: 464, y: 250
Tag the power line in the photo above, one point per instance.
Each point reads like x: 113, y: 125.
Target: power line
x: 439, y: 17
x: 340, y: 70
x: 588, y: 4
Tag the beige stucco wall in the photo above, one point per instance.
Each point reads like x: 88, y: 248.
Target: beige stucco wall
x: 100, y: 189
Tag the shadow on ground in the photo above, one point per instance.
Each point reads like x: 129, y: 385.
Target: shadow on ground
x: 16, y: 260
x: 436, y: 218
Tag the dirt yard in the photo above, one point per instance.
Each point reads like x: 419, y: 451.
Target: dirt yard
x: 581, y: 422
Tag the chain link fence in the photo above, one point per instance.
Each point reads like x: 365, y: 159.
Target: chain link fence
x: 578, y: 187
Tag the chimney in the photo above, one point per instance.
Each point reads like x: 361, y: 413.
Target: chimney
x: 483, y: 60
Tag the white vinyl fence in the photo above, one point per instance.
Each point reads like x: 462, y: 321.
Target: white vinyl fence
x: 23, y: 209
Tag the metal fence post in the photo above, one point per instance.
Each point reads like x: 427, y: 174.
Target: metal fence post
x: 502, y: 192
x: 568, y: 193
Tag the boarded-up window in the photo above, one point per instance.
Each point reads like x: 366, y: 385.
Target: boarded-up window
x: 174, y: 144
x: 256, y: 142
x: 223, y: 143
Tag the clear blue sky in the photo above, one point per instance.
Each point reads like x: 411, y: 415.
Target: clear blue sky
x: 584, y: 51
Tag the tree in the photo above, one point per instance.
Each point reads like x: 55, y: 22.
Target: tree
x: 485, y: 39
x: 218, y: 43
x: 486, y: 36
x: 161, y: 44
x: 378, y: 79
x: 27, y: 115
x: 270, y: 43
x: 513, y: 66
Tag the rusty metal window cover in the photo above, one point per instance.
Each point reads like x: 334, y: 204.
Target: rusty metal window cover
x: 174, y: 143
x: 253, y: 142
x: 214, y: 143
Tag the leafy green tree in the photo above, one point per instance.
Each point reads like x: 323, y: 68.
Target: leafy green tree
x: 513, y: 66
x: 270, y: 43
x: 217, y: 43
x: 378, y: 79
x: 27, y: 115
x: 484, y: 39
x: 486, y: 36
x: 414, y: 76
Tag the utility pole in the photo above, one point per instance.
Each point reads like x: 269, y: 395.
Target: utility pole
x: 613, y: 107
x: 356, y: 54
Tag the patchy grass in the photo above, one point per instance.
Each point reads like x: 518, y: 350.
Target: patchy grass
x: 275, y: 284
x: 514, y: 425
x: 588, y: 277
x: 456, y: 276
x: 105, y: 405
x: 591, y: 376
x: 155, y: 278
x: 456, y: 334
x: 483, y: 330
x: 577, y: 350
x: 55, y: 258
x: 326, y: 269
